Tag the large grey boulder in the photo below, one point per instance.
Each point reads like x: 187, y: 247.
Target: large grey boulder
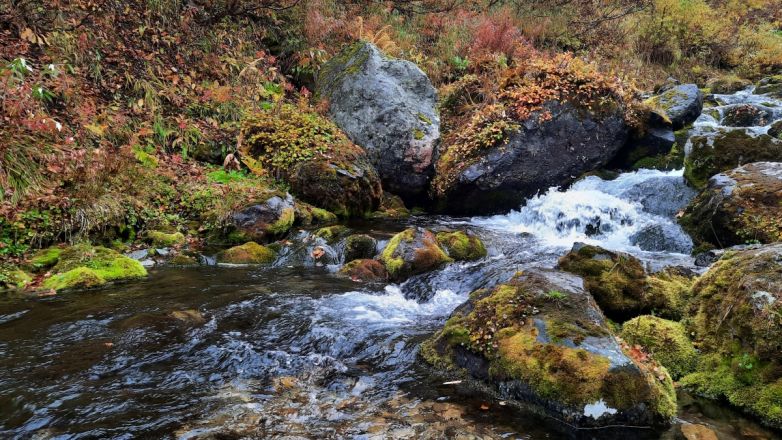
x: 662, y: 238
x: 681, y: 104
x: 664, y: 195
x: 388, y: 107
x: 541, y: 154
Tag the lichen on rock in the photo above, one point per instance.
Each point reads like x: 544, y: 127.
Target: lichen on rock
x: 462, y: 246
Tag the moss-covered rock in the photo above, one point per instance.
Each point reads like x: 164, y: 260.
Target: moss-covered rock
x: 365, y: 270
x: 78, y: 278
x: 771, y: 86
x: 391, y: 207
x: 183, y: 260
x: 411, y: 252
x: 462, y: 246
x: 165, y: 239
x: 45, y: 258
x: 360, y: 246
x: 539, y: 340
x: 739, y: 206
x: 680, y: 104
x: 322, y: 166
x: 248, y: 253
x: 746, y: 115
x: 728, y: 84
x: 737, y: 323
x: 331, y: 233
x: 308, y: 215
x: 665, y: 340
x: 103, y: 265
x: 620, y: 284
x: 711, y: 155
x: 272, y: 217
x: 12, y: 277
x: 775, y: 130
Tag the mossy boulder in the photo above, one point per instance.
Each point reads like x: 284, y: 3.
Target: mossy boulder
x: 248, y: 253
x: 388, y: 107
x: 771, y: 85
x: 165, y: 239
x: 365, y: 270
x: 680, y: 105
x: 647, y: 151
x: 183, y: 260
x: 728, y: 84
x: 739, y: 206
x: 11, y: 277
x: 746, y: 115
x: 360, y: 246
x: 737, y: 323
x: 84, y: 266
x: 308, y: 215
x: 322, y: 166
x: 391, y: 207
x: 775, y: 130
x: 714, y: 154
x: 45, y: 258
x: 331, y: 233
x: 262, y: 221
x: 540, y: 341
x: 462, y: 246
x: 412, y: 252
x: 666, y: 341
x: 620, y: 284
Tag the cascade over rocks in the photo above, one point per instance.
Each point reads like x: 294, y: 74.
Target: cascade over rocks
x: 541, y: 342
x: 738, y: 206
x: 388, y: 107
x: 539, y: 155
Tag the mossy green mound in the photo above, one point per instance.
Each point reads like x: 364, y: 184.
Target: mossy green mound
x: 46, y: 258
x: 78, y: 278
x: 360, y: 246
x: 163, y: 239
x: 108, y: 264
x: 412, y: 252
x: 737, y: 323
x: 728, y: 84
x: 665, y: 340
x: 365, y: 270
x: 462, y: 246
x: 725, y: 151
x: 391, y: 207
x: 620, y: 284
x: 331, y: 233
x: 541, y: 330
x: 248, y: 253
x: 12, y: 277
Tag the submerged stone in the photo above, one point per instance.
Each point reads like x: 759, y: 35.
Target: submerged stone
x: 540, y: 342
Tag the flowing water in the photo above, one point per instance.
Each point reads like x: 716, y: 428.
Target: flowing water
x: 293, y: 351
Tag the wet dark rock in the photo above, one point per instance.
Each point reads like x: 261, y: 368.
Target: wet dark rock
x: 775, y: 130
x: 360, y: 246
x: 746, y: 115
x: 664, y: 196
x: 388, y: 107
x: 662, y: 238
x: 739, y: 206
x: 679, y: 105
x: 657, y: 141
x: 728, y: 84
x: 770, y: 86
x: 726, y: 150
x: 540, y: 155
x: 541, y: 342
x: 267, y: 219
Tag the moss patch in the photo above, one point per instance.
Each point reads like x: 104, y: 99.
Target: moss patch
x: 462, y: 246
x: 665, y: 340
x: 107, y: 264
x: 13, y: 278
x: 248, y: 253
x: 46, y: 258
x: 78, y: 278
x: 331, y: 233
x: 163, y: 239
x: 411, y: 252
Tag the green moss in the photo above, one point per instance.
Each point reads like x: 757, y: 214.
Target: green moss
x: 461, y: 246
x: 418, y: 134
x: 78, y: 278
x: 248, y: 253
x: 422, y: 117
x: 13, y: 277
x: 411, y: 252
x: 669, y: 293
x: 109, y: 265
x: 323, y: 216
x: 347, y: 63
x: 163, y: 239
x: 359, y: 246
x: 728, y: 84
x: 183, y: 260
x: 46, y: 258
x: 284, y: 223
x: 389, y: 258
x: 665, y: 340
x: 329, y: 233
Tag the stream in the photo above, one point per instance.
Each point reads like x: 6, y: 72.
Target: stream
x: 293, y: 351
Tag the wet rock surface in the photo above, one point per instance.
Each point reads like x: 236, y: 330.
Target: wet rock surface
x: 680, y: 105
x: 265, y: 220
